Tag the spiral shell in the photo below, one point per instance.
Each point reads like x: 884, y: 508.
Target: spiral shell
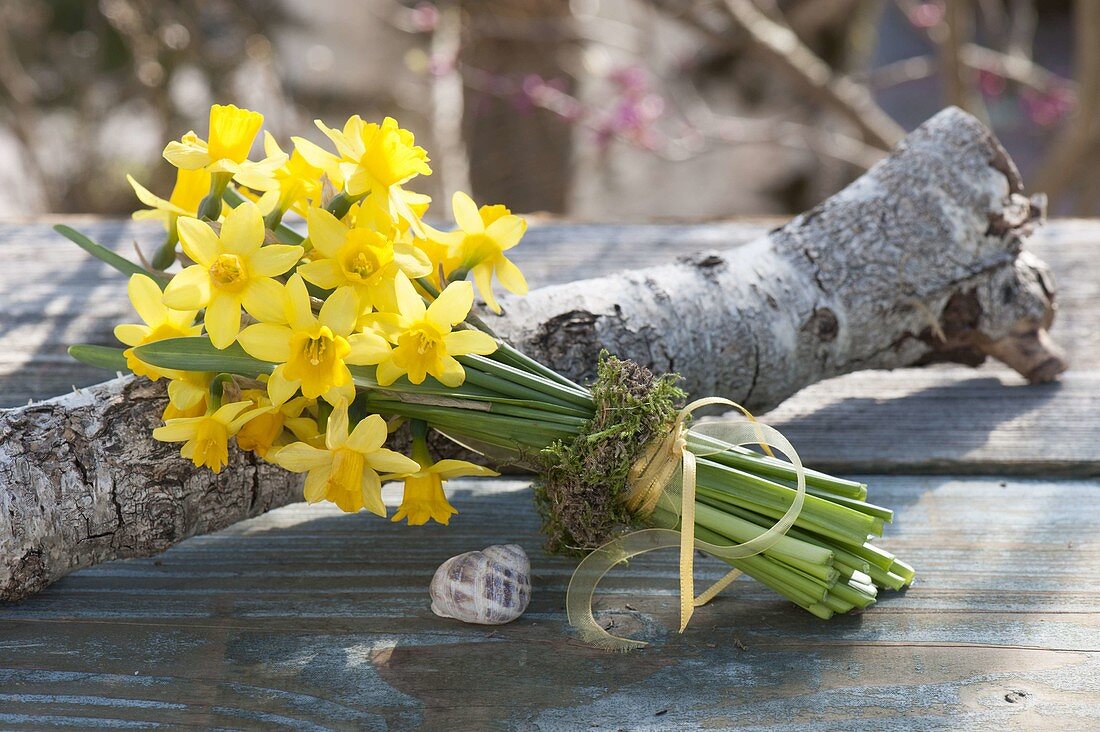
x: 489, y: 587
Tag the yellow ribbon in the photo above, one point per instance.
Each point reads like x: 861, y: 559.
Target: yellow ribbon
x: 649, y: 485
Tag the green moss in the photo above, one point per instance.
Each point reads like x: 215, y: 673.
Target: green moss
x: 578, y: 494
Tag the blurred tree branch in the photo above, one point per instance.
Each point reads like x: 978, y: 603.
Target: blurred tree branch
x: 837, y: 92
x: 955, y: 33
x: 1018, y: 69
x: 17, y: 86
x: 1068, y: 155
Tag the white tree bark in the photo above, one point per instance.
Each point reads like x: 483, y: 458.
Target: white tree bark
x: 920, y: 260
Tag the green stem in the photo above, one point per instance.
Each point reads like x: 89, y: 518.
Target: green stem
x: 342, y: 202
x: 211, y: 207
x: 217, y: 390
x: 165, y: 255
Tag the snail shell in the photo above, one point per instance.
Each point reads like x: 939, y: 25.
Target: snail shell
x: 489, y: 587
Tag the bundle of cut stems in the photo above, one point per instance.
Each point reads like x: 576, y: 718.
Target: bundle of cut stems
x: 511, y: 407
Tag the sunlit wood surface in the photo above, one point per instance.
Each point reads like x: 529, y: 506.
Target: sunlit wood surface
x: 307, y: 618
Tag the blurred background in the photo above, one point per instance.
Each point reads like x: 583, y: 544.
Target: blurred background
x: 597, y: 109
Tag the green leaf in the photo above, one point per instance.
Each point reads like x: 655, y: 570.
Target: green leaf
x: 199, y: 354
x: 102, y: 357
x: 102, y: 253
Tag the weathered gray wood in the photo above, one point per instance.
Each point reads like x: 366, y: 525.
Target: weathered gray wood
x: 920, y: 260
x: 307, y: 618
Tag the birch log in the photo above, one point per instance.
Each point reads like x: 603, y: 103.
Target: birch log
x: 920, y: 260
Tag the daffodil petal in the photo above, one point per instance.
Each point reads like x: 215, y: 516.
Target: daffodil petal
x: 366, y: 349
x: 153, y: 201
x: 387, y: 325
x: 344, y: 392
x: 510, y: 276
x: 274, y: 259
x: 246, y: 417
x: 265, y: 300
x: 337, y: 432
x: 466, y: 214
x: 223, y: 320
x: 326, y: 231
x: 372, y: 493
x: 359, y: 182
x: 267, y: 342
x: 391, y: 462
x: 189, y: 289
x: 271, y: 145
x: 452, y: 306
x: 280, y: 388
x: 184, y: 394
x: 458, y: 468
x: 188, y: 157
x: 381, y: 296
x: 298, y: 311
x: 506, y: 231
x: 316, y: 483
x: 450, y: 372
x: 243, y: 229
x: 369, y: 434
x: 131, y: 334
x: 483, y: 276
x: 299, y: 457
x: 388, y: 372
x: 411, y: 260
x: 340, y: 311
x: 198, y: 240
x: 325, y: 273
x: 408, y: 301
x: 228, y: 412
x: 464, y: 342
x: 177, y: 430
x: 314, y: 154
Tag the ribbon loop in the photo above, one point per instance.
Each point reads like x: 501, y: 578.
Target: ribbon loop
x: 649, y: 483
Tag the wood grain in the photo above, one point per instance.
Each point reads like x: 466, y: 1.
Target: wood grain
x: 311, y: 619
x: 305, y: 618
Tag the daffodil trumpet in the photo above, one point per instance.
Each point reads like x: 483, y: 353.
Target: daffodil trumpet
x: 305, y: 344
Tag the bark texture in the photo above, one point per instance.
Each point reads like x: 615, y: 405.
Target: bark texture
x: 918, y: 261
x: 82, y: 481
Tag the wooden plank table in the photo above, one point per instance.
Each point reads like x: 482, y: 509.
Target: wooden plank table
x: 308, y: 618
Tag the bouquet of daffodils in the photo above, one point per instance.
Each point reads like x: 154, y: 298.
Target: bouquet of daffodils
x: 310, y: 346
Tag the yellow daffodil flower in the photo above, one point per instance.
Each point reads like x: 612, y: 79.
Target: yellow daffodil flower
x: 232, y: 131
x: 423, y: 336
x: 188, y: 394
x: 372, y: 159
x: 479, y: 243
x: 313, y: 351
x: 423, y: 497
x: 160, y: 322
x: 346, y: 470
x: 191, y: 187
x: 171, y: 412
x: 359, y: 257
x: 292, y: 187
x: 269, y: 430
x: 232, y: 269
x: 206, y: 438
